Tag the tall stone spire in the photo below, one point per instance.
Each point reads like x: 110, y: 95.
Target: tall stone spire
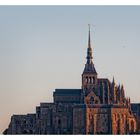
x: 89, y: 43
x: 89, y: 50
x: 89, y: 67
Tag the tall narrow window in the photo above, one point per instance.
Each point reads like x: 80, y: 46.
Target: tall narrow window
x: 93, y: 80
x: 90, y: 80
x: 86, y: 79
x: 59, y: 127
x: 132, y: 127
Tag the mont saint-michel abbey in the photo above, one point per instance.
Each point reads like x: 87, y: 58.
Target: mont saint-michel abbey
x: 98, y: 107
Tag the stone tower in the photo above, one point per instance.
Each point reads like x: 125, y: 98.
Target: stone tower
x: 89, y: 75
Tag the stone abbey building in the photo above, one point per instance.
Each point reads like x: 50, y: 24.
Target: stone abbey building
x: 98, y: 107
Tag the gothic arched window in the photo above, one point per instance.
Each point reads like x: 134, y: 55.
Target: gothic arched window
x: 90, y: 80
x: 59, y: 122
x: 118, y: 125
x: 93, y: 80
x: 132, y: 126
x: 86, y: 79
x: 91, y: 100
x: 96, y: 101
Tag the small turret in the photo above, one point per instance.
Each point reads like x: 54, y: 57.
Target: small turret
x: 118, y: 94
x: 122, y: 94
x: 113, y: 91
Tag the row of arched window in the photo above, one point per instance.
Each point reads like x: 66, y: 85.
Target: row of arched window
x: 90, y: 80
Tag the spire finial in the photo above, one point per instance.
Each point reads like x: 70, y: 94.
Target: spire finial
x: 89, y: 44
x: 119, y: 85
x: 89, y: 49
x: 113, y: 79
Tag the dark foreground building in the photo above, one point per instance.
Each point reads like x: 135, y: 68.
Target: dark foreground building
x: 99, y: 107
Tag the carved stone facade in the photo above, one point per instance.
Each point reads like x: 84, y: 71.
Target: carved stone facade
x: 99, y: 107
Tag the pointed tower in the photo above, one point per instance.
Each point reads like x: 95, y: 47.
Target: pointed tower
x: 113, y: 91
x: 122, y: 93
x: 118, y: 95
x: 89, y: 76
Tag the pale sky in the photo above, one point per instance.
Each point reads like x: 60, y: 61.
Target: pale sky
x: 44, y: 47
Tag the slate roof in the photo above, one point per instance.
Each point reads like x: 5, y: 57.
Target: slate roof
x: 135, y: 107
x: 89, y: 68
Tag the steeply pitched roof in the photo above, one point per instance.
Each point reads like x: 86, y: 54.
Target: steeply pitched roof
x: 89, y: 68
